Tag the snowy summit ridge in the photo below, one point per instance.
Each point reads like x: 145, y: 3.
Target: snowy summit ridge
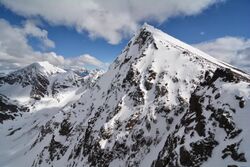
x: 45, y: 67
x: 161, y: 103
x: 160, y: 35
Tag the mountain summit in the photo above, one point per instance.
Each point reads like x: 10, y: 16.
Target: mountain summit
x: 161, y: 103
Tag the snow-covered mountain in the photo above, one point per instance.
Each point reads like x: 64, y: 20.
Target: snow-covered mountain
x: 41, y: 85
x: 161, y: 103
x: 34, y: 78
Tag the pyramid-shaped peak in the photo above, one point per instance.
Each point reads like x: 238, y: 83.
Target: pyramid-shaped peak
x: 151, y: 29
x: 147, y: 31
x: 46, y: 67
x: 159, y: 35
x: 147, y: 27
x: 43, y: 67
x: 149, y: 34
x: 42, y: 64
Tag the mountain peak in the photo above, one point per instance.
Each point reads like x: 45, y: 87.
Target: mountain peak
x: 148, y: 35
x: 42, y: 63
x: 147, y: 27
x: 45, y: 67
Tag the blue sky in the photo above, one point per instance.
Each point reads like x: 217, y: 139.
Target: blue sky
x: 231, y: 18
x: 212, y: 22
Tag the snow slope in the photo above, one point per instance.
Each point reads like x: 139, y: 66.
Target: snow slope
x: 161, y: 103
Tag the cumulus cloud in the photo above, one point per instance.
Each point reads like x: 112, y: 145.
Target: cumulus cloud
x: 30, y: 29
x: 233, y: 50
x: 83, y: 60
x: 15, y: 51
x: 109, y: 19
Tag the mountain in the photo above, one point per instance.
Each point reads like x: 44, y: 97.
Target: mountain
x: 161, y: 103
x: 40, y: 85
x: 33, y: 77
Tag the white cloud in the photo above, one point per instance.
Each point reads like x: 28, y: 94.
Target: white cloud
x: 15, y: 51
x: 89, y: 60
x: 31, y: 29
x: 233, y: 50
x: 109, y: 19
x: 84, y: 60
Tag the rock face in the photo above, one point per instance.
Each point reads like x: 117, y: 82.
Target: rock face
x: 9, y: 109
x: 161, y: 103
